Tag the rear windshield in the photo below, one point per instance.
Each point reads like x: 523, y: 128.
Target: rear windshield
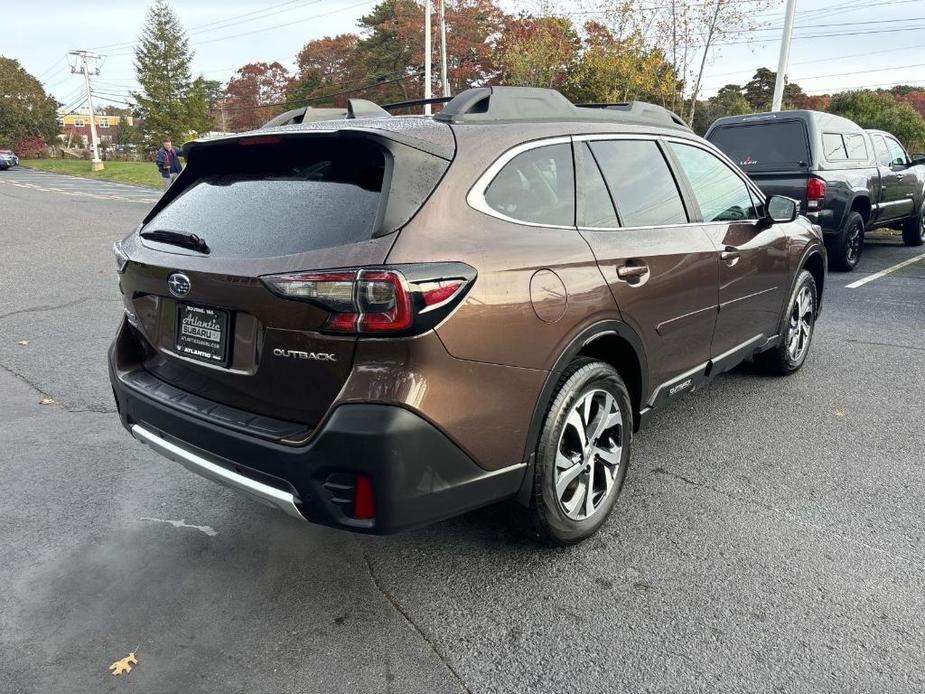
x: 763, y: 146
x: 281, y: 198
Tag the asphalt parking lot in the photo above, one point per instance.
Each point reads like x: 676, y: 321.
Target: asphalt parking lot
x: 770, y: 535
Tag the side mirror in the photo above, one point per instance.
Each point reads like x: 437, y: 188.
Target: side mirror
x: 782, y: 209
x: 918, y: 158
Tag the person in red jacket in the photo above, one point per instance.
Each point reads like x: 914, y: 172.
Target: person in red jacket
x: 168, y: 162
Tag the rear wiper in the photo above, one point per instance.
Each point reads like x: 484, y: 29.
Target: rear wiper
x: 177, y: 238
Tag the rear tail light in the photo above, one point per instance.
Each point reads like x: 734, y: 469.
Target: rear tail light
x: 379, y: 300
x: 815, y: 193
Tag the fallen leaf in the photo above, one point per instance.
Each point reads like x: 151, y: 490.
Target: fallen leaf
x: 839, y: 413
x: 120, y: 667
x: 48, y: 401
x: 23, y: 342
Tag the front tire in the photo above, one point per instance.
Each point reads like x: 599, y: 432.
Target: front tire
x: 796, y: 330
x: 914, y: 230
x: 583, y: 452
x: 845, y: 252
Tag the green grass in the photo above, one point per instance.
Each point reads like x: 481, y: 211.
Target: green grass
x: 140, y: 172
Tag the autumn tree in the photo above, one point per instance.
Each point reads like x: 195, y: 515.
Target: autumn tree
x: 324, y: 64
x: 690, y: 34
x: 26, y: 111
x: 256, y: 93
x: 610, y: 69
x: 537, y: 51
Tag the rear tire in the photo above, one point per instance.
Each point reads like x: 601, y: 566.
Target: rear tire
x: 796, y: 330
x: 845, y: 252
x: 583, y: 451
x: 914, y: 230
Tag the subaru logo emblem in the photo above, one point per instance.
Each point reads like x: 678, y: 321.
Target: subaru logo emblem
x: 179, y: 284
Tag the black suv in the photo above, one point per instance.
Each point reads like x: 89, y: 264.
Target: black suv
x: 847, y: 179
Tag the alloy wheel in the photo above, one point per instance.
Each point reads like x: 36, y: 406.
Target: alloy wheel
x: 801, y: 325
x: 588, y: 454
x: 854, y: 244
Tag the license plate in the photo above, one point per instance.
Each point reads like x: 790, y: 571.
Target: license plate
x: 202, y: 333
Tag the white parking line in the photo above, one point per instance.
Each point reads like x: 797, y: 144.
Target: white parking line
x: 882, y: 273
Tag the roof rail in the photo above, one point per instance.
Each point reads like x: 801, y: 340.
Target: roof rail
x: 356, y: 108
x: 511, y: 104
x: 417, y: 102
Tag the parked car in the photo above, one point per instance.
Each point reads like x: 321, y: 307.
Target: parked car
x: 375, y: 323
x: 7, y: 159
x: 847, y: 180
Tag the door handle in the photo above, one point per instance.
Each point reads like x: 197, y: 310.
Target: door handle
x: 633, y: 274
x: 730, y: 255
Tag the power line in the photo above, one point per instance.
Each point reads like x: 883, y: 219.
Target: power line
x: 268, y: 28
x: 228, y: 22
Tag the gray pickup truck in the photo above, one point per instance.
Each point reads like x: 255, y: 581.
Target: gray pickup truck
x: 846, y: 179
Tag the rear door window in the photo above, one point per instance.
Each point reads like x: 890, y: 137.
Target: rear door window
x: 857, y: 147
x: 595, y: 206
x: 721, y: 194
x: 640, y: 182
x: 764, y: 146
x: 897, y: 153
x: 883, y: 154
x: 833, y: 147
x: 536, y: 186
x: 280, y: 199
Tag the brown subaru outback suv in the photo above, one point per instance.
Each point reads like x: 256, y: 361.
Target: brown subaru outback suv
x: 378, y: 322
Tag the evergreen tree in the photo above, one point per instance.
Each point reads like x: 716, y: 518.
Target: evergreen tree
x: 162, y: 67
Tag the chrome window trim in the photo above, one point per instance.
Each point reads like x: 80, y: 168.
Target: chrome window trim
x: 753, y: 222
x: 476, y: 195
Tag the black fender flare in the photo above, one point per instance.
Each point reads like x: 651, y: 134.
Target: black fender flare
x: 566, y: 356
x: 858, y: 194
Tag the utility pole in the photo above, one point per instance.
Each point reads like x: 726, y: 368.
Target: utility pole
x: 444, y: 80
x: 784, y: 57
x: 82, y: 60
x: 427, y: 54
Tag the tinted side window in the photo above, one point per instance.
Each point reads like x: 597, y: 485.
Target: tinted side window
x: 856, y: 146
x: 833, y: 147
x: 536, y: 186
x: 640, y: 182
x: 883, y: 154
x: 595, y: 207
x: 721, y: 194
x: 897, y: 153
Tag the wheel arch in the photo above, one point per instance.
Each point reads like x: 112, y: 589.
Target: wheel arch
x: 814, y: 262
x: 860, y: 203
x: 611, y: 341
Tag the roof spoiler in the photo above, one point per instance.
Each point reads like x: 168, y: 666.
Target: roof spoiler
x: 356, y: 108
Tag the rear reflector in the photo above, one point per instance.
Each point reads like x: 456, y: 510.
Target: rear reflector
x: 364, y: 505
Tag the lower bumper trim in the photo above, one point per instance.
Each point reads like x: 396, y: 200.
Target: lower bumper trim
x: 263, y: 493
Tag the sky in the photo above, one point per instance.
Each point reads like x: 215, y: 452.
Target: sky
x: 878, y: 42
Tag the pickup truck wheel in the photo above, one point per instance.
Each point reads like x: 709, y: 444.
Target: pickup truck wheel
x: 845, y: 252
x: 795, y: 331
x: 914, y: 230
x: 582, y: 455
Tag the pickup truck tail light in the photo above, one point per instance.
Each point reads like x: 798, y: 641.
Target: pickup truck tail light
x: 815, y: 193
x: 406, y: 299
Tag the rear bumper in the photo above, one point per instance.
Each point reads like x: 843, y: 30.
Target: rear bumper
x: 418, y: 474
